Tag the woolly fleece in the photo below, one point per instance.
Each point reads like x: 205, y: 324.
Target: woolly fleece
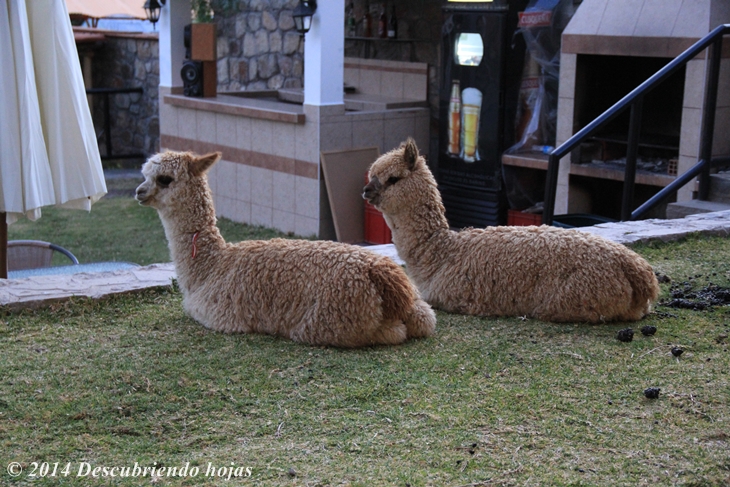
x: 541, y: 272
x: 316, y: 292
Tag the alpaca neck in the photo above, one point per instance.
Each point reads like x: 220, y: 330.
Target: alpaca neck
x: 188, y: 245
x: 419, y: 232
x: 194, y: 240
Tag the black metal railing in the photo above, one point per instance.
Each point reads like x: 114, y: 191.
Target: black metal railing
x: 106, y: 92
x: 634, y: 101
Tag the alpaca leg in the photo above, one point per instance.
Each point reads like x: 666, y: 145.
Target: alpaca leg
x: 390, y: 332
x: 422, y: 320
x: 349, y: 334
x: 580, y: 309
x: 635, y: 313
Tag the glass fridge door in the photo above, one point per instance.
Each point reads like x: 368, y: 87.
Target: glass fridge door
x: 470, y: 100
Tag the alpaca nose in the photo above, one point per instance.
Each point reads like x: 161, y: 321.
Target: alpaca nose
x: 369, y: 191
x: 140, y: 193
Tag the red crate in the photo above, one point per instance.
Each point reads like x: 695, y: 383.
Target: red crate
x: 520, y: 219
x: 376, y: 230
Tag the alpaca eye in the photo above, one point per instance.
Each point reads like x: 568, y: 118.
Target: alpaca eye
x: 393, y: 180
x: 164, y: 181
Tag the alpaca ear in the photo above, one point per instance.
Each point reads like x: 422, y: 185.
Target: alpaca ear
x: 410, y: 153
x: 201, y: 164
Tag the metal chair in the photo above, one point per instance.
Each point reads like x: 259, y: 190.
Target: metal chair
x: 34, y: 254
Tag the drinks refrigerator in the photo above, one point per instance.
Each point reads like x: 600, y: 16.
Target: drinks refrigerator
x: 479, y: 85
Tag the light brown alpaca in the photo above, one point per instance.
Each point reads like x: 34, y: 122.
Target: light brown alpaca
x: 541, y: 272
x: 322, y: 293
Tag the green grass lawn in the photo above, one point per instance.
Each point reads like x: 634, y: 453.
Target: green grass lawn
x: 486, y: 401
x: 116, y: 229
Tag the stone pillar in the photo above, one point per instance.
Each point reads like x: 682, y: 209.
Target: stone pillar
x: 173, y: 18
x: 324, y: 55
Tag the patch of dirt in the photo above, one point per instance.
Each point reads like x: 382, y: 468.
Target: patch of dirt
x: 685, y: 296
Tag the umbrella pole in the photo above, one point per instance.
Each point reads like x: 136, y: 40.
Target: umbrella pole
x: 3, y: 246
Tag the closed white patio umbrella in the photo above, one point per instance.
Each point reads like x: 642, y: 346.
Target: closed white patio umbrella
x: 48, y: 149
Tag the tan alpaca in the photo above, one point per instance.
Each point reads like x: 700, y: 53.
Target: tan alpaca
x: 541, y: 272
x: 322, y: 293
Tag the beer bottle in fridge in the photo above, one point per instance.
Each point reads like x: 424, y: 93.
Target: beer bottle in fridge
x: 455, y: 119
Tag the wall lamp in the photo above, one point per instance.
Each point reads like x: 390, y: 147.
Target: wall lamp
x: 303, y: 15
x: 152, y: 9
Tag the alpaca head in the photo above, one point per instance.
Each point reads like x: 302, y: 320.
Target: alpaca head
x: 399, y: 180
x: 168, y: 176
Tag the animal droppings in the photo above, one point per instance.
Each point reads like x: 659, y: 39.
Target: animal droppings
x: 687, y: 304
x: 625, y: 335
x: 648, y: 330
x: 662, y: 278
x: 677, y: 351
x: 651, y: 392
x: 686, y: 297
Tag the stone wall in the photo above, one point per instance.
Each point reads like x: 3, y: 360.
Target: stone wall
x: 258, y: 47
x: 128, y: 61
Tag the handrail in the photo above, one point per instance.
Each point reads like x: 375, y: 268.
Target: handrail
x: 634, y: 100
x: 680, y: 181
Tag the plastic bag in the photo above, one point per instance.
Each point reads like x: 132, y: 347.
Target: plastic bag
x: 541, y: 25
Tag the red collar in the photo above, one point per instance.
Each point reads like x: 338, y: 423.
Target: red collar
x: 195, y: 248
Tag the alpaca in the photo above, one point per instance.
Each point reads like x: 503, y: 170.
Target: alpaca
x: 321, y: 293
x: 541, y: 272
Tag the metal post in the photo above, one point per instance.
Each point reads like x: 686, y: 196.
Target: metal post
x: 708, y: 118
x: 3, y: 246
x: 107, y: 126
x: 631, y: 154
x: 551, y: 184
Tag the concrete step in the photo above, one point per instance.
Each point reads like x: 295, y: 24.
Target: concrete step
x: 680, y: 210
x: 720, y: 187
x: 718, y: 199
